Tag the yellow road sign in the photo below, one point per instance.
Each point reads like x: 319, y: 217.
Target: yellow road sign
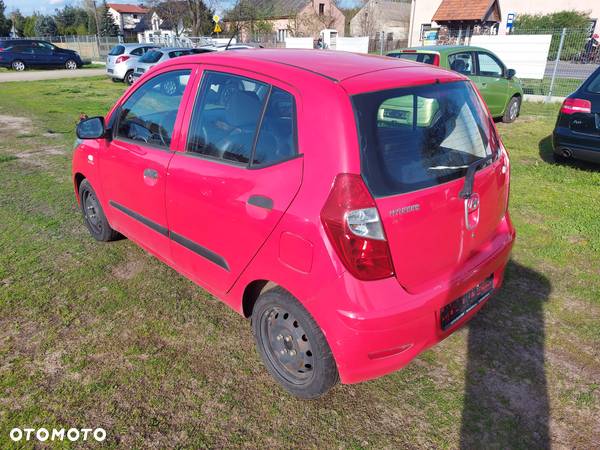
x: 217, y: 28
x: 216, y: 19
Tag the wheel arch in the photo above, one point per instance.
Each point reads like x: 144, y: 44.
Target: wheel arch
x: 251, y: 293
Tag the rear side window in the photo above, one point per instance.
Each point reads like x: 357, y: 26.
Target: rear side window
x: 594, y: 84
x: 117, y: 50
x: 140, y: 51
x: 414, y: 138
x: 277, y: 136
x: 426, y: 58
x: 462, y: 63
x: 149, y: 114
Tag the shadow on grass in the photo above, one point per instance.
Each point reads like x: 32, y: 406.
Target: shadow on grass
x: 547, y: 154
x: 506, y: 400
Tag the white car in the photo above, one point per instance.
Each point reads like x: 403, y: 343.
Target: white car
x: 122, y: 58
x: 158, y: 55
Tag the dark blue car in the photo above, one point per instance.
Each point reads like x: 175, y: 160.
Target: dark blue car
x: 20, y: 54
x: 577, y: 131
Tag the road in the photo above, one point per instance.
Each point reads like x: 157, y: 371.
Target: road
x: 49, y: 74
x: 567, y: 69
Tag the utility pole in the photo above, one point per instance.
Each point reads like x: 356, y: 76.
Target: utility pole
x: 97, y: 27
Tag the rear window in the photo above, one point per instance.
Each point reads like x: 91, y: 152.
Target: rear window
x: 414, y: 138
x: 594, y: 85
x: 117, y: 50
x: 178, y: 53
x: 151, y: 57
x: 426, y: 58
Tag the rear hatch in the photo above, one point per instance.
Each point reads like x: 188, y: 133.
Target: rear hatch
x: 584, y: 114
x: 416, y: 146
x: 112, y: 56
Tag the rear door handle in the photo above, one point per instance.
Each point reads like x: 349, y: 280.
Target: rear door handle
x: 150, y: 173
x: 261, y: 201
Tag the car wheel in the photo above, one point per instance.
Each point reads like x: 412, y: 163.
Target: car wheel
x: 114, y: 80
x: 512, y: 110
x: 18, y: 65
x: 560, y: 159
x: 129, y: 78
x: 93, y: 215
x: 292, y: 346
x: 71, y: 65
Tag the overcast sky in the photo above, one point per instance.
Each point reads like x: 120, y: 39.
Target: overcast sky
x: 48, y: 6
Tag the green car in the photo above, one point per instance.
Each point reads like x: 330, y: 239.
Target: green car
x: 499, y: 87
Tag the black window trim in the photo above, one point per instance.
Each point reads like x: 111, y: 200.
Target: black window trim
x: 495, y: 58
x: 249, y: 165
x: 117, y: 114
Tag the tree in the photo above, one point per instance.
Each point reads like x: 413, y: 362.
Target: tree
x: 71, y: 20
x: 5, y: 24
x: 175, y: 14
x: 200, y: 17
x: 108, y: 27
x: 45, y: 26
x: 18, y: 21
x: 29, y: 25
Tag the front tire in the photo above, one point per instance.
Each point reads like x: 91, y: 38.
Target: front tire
x: 292, y: 345
x: 512, y: 110
x: 93, y: 214
x: 71, y: 64
x: 18, y: 65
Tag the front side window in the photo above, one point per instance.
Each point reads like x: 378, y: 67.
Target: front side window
x: 151, y: 57
x: 489, y: 66
x: 149, y: 114
x: 226, y: 117
x: 462, y: 63
x: 414, y: 138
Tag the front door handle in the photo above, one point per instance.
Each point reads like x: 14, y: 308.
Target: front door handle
x: 261, y: 201
x: 150, y: 173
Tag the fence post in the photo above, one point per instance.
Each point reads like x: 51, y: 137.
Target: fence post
x: 556, y: 62
x: 381, y: 37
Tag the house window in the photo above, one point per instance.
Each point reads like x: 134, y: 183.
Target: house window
x: 135, y: 16
x: 321, y: 9
x: 281, y: 35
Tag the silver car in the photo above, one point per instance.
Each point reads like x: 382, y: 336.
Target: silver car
x: 121, y: 60
x: 158, y: 55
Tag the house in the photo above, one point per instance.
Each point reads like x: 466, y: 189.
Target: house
x: 152, y: 28
x: 282, y: 18
x: 449, y: 18
x: 128, y: 17
x: 391, y: 17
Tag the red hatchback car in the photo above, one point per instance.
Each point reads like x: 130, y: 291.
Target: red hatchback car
x: 354, y: 207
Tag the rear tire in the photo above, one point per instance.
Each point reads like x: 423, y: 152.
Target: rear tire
x: 129, y: 78
x: 292, y: 345
x: 512, y: 110
x: 115, y: 80
x: 560, y: 159
x: 18, y: 65
x: 93, y: 214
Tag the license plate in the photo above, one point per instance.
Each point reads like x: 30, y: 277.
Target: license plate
x: 455, y: 310
x: 110, y: 71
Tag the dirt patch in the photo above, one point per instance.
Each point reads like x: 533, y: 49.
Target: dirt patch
x: 128, y: 269
x: 37, y: 157
x: 15, y: 125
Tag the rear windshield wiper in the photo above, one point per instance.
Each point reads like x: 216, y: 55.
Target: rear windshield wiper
x: 467, y: 189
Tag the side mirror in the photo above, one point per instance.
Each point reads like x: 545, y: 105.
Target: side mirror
x: 92, y: 128
x: 510, y: 73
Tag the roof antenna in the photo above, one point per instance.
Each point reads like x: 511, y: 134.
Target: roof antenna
x: 237, y: 26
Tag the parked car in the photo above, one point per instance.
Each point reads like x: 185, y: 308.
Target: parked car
x: 499, y: 87
x: 159, y: 55
x: 122, y: 58
x: 577, y: 131
x: 20, y: 54
x: 354, y: 207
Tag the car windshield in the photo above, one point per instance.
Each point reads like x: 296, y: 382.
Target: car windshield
x: 426, y: 58
x: 117, y: 50
x: 151, y: 57
x: 594, y: 85
x: 414, y: 138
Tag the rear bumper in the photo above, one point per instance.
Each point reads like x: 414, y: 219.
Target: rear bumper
x: 118, y: 71
x: 388, y: 326
x: 581, y: 146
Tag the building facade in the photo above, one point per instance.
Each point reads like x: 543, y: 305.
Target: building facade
x: 391, y: 17
x: 128, y: 17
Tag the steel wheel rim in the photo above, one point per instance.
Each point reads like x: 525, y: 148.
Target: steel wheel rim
x: 19, y: 66
x: 514, y: 108
x: 91, y: 210
x: 71, y: 65
x: 286, y: 345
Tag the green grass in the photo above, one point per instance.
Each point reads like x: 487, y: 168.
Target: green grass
x: 105, y: 335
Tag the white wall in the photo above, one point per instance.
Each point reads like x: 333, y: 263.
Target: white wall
x: 299, y: 42
x: 526, y: 53
x: 353, y: 44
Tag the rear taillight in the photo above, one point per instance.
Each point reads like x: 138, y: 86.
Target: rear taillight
x: 354, y: 228
x: 576, y: 105
x: 121, y: 59
x: 1, y: 49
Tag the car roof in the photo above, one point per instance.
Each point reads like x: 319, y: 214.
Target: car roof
x: 334, y: 65
x: 442, y: 48
x: 128, y: 45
